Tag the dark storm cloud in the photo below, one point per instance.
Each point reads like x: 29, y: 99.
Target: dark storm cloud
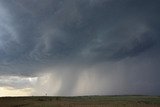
x: 37, y: 34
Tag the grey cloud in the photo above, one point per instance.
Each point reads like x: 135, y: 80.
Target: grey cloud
x: 37, y: 34
x: 17, y: 82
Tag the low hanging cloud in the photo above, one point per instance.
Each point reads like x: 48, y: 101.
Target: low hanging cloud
x: 79, y: 47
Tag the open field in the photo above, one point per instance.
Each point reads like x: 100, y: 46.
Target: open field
x: 85, y: 101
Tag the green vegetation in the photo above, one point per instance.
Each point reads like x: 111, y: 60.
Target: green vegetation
x: 81, y: 101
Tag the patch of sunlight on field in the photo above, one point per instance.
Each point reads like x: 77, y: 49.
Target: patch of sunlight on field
x: 9, y: 91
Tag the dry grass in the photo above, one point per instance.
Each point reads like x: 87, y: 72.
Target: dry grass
x: 88, y: 101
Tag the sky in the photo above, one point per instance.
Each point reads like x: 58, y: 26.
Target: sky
x: 79, y: 47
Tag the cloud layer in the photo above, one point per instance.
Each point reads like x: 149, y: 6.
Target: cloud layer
x: 110, y: 46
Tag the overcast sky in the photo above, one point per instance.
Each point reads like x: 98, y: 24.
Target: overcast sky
x: 79, y: 47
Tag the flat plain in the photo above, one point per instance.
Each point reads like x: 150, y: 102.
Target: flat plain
x: 81, y: 101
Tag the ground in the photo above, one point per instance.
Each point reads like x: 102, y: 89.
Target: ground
x: 81, y: 101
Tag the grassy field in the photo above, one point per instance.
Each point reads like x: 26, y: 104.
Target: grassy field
x: 84, y: 101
